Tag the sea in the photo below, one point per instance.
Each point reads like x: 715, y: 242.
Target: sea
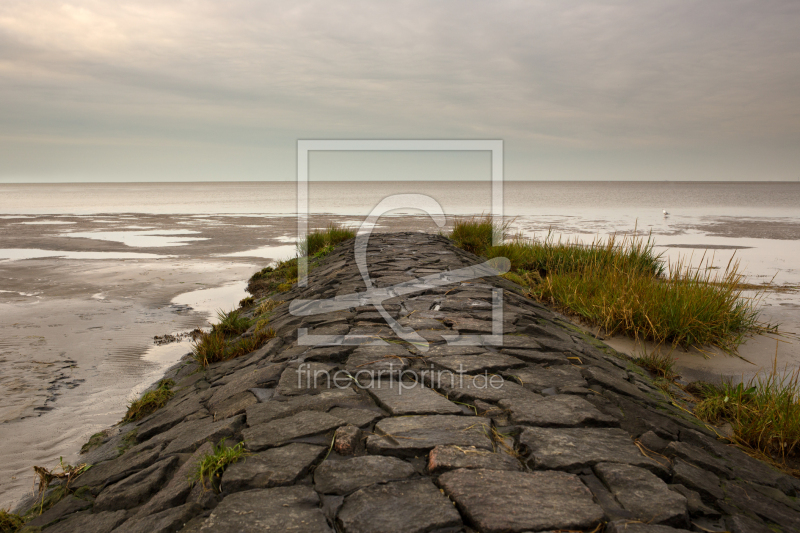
x: 92, y: 275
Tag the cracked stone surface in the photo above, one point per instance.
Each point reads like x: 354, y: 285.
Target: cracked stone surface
x: 543, y: 432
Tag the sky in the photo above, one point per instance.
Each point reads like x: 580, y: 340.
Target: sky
x: 141, y: 90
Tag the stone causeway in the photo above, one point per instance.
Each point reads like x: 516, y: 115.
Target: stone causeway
x: 550, y: 431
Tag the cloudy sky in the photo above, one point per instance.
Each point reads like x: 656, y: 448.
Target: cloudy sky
x: 147, y: 90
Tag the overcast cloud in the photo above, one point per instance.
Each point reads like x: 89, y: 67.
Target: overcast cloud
x: 193, y: 90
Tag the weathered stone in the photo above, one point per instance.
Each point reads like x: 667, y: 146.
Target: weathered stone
x: 344, y: 477
x: 538, y: 378
x: 272, y: 468
x: 103, y: 522
x: 628, y: 526
x: 166, y: 521
x: 277, y: 432
x: 643, y: 494
x: 274, y: 409
x: 576, y: 448
x: 698, y: 457
x: 653, y: 442
x: 347, y: 440
x: 694, y: 501
x: 372, y: 362
x: 247, y: 378
x: 234, y: 405
x: 356, y: 417
x: 187, y: 437
x: 177, y: 489
x: 470, y: 325
x: 413, y: 506
x: 745, y: 466
x: 471, y: 364
x: 410, y: 398
x: 557, y: 411
x: 414, y: 435
x: 745, y: 496
x: 464, y: 388
x: 521, y: 342
x: 613, y: 510
x: 706, y: 483
x: 607, y: 380
x: 164, y: 419
x: 495, y: 501
x: 446, y: 350
x: 445, y: 458
x: 279, y: 509
x: 135, y: 489
x: 70, y: 504
x: 112, y: 471
x: 742, y: 524
x: 305, y: 378
x: 535, y: 356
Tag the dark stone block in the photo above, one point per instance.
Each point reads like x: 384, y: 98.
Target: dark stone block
x: 280, y: 509
x: 495, y: 501
x: 446, y: 458
x: 411, y: 436
x: 136, y: 489
x: 277, y: 432
x: 643, y: 494
x: 345, y: 476
x: 104, y: 522
x: 272, y: 468
x: 557, y: 411
x: 414, y: 506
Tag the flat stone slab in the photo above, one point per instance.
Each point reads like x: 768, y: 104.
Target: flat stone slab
x: 705, y: 483
x: 177, y: 489
x: 187, y: 437
x: 136, y: 489
x: 539, y: 378
x: 277, y: 432
x: 344, y: 477
x: 280, y: 509
x: 536, y: 356
x: 464, y: 388
x: 471, y: 364
x: 496, y: 501
x: 356, y: 417
x: 414, y: 506
x: 410, y: 398
x: 631, y: 526
x: 577, y: 448
x: 70, y: 504
x: 445, y: 458
x: 557, y: 411
x: 372, y: 362
x: 607, y: 380
x: 643, y: 494
x: 305, y: 378
x: 103, y: 522
x: 272, y: 468
x: 410, y: 436
x: 165, y: 521
x: 243, y: 380
x: 114, y: 470
x: 274, y: 409
x: 164, y: 419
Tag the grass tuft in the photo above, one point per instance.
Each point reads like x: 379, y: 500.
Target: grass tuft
x: 231, y: 323
x: 211, y: 466
x: 10, y: 522
x: 764, y: 413
x: 150, y: 402
x: 662, y: 365
x: 323, y: 240
x: 623, y: 286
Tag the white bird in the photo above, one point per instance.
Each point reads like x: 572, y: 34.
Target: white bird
x: 665, y: 212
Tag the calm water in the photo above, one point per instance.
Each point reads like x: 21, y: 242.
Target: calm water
x: 90, y: 272
x: 356, y: 198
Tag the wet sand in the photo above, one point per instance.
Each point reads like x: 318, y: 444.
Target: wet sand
x: 76, y: 335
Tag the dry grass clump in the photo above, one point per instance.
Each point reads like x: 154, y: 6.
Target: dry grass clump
x: 764, y: 413
x: 215, y: 346
x: 623, y: 286
x: 150, y: 402
x: 211, y: 466
x: 662, y: 365
x: 10, y: 522
x: 323, y: 240
x: 283, y: 275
